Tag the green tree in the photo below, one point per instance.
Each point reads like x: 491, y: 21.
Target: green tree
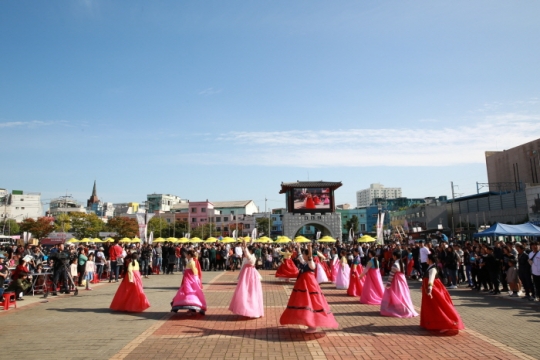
x: 352, y: 223
x: 62, y: 223
x: 262, y: 226
x: 39, y: 228
x: 203, y: 231
x: 123, y: 226
x: 159, y: 226
x: 85, y: 225
x: 10, y: 227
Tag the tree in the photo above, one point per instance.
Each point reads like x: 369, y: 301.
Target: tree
x: 62, y: 223
x: 262, y: 226
x: 203, y: 231
x: 39, y: 228
x: 352, y: 223
x: 124, y: 226
x: 85, y: 225
x: 159, y: 226
x: 10, y: 227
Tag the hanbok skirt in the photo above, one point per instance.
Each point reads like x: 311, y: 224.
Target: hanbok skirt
x: 130, y: 296
x: 438, y: 312
x: 396, y: 301
x: 307, y: 305
x: 410, y: 266
x: 373, y: 290
x: 321, y: 274
x: 190, y: 295
x: 355, y: 283
x: 287, y: 270
x: 343, y: 276
x: 335, y: 269
x: 248, y: 296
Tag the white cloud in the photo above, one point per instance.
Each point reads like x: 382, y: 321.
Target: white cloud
x: 29, y: 124
x: 209, y: 91
x: 444, y: 146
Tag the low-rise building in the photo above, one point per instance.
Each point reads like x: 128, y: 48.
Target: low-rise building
x: 19, y: 205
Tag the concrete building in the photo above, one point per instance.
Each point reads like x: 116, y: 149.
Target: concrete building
x: 366, y: 197
x: 347, y: 214
x: 162, y: 202
x: 19, y: 205
x: 430, y: 217
x: 246, y: 207
x: 128, y: 209
x: 65, y: 205
x: 511, y: 169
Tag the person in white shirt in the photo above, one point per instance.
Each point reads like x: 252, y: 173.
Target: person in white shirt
x: 534, y: 260
x: 424, y: 253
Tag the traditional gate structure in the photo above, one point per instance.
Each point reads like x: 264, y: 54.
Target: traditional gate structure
x: 311, y: 203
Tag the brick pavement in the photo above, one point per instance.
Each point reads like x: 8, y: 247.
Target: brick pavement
x: 84, y: 328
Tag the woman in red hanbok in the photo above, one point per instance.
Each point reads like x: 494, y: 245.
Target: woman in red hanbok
x: 130, y: 295
x: 310, y: 204
x: 190, y: 296
x: 307, y: 305
x: 437, y: 311
x: 356, y: 283
x: 396, y: 301
x: 287, y: 269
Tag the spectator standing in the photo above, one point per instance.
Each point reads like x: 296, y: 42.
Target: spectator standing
x: 145, y: 259
x: 212, y: 257
x: 524, y: 272
x: 205, y: 257
x: 3, y: 273
x: 535, y: 268
x: 116, y: 259
x: 423, y: 253
x: 100, y: 262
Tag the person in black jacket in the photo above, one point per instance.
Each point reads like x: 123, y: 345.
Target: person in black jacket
x: 524, y: 272
x: 451, y: 265
x: 494, y: 269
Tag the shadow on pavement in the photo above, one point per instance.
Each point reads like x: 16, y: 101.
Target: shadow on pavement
x: 143, y: 315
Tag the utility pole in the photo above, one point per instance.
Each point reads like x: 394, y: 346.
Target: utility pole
x: 452, y: 207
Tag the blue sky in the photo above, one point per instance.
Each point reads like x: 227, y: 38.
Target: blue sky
x: 225, y: 100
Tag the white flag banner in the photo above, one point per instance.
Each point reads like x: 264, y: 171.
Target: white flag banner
x: 142, y: 220
x: 351, y: 235
x: 151, y: 237
x: 234, y: 234
x: 254, y: 235
x: 380, y: 227
x: 318, y: 235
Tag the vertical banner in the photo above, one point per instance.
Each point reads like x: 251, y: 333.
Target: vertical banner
x: 380, y: 227
x: 254, y: 235
x: 142, y: 220
x: 318, y: 235
x: 351, y: 235
x: 151, y: 237
x: 234, y: 234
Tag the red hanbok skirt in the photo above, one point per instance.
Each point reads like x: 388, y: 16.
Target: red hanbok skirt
x: 438, y: 312
x: 287, y: 270
x: 307, y: 305
x: 356, y: 284
x: 130, y: 296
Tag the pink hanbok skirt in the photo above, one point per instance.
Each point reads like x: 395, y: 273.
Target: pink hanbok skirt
x: 396, y: 301
x: 373, y: 290
x: 248, y: 296
x: 190, y: 295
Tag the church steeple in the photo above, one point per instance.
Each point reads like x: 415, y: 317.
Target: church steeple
x: 93, y: 198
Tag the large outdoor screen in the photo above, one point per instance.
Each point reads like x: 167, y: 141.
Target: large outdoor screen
x: 312, y: 199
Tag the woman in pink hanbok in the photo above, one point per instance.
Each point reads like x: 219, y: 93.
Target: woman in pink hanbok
x: 190, y: 296
x: 344, y: 273
x: 396, y: 301
x: 334, y: 265
x: 373, y: 289
x: 248, y: 296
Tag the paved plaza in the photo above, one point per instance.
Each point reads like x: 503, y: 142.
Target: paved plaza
x: 82, y: 327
